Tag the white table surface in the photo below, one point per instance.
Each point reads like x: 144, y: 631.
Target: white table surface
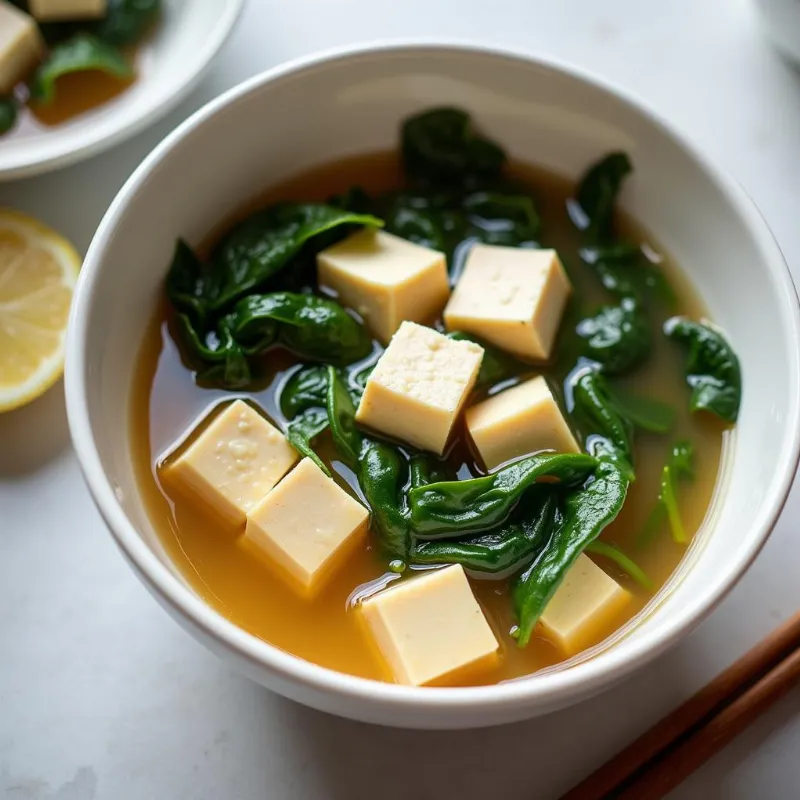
x: 102, y: 696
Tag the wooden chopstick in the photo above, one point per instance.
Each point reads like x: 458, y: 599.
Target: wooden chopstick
x: 673, y: 748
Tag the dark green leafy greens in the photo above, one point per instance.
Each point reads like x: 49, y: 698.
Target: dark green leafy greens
x: 127, y: 21
x: 459, y: 507
x: 586, y: 512
x: 81, y: 53
x: 504, y: 550
x: 680, y: 465
x: 8, y: 114
x: 625, y: 563
x: 442, y: 146
x: 311, y: 327
x: 597, y: 195
x: 712, y: 368
x: 255, y: 250
x: 303, y: 429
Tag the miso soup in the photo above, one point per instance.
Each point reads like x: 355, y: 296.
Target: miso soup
x: 559, y: 510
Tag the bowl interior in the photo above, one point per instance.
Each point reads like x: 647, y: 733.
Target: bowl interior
x: 186, y: 38
x: 353, y: 103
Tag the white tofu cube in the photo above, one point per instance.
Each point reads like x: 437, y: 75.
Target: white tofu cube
x: 584, y: 609
x: 67, y: 10
x: 419, y: 385
x: 521, y: 420
x: 233, y: 463
x: 21, y: 46
x: 385, y: 279
x: 511, y: 297
x: 305, y: 527
x: 430, y: 629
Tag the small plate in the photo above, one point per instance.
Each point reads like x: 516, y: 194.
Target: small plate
x: 170, y: 63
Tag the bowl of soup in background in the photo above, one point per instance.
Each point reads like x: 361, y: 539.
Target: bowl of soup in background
x: 339, y: 105
x: 168, y: 63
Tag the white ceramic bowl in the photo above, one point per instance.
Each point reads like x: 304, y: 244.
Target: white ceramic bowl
x: 348, y: 102
x: 171, y: 61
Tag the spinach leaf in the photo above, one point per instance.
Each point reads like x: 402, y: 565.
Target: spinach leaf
x: 189, y: 283
x: 712, y: 368
x: 608, y: 433
x: 587, y: 511
x: 303, y: 429
x: 383, y: 474
x: 312, y: 327
x: 597, y: 195
x: 625, y: 563
x: 419, y: 219
x: 459, y: 507
x: 8, y: 114
x: 222, y: 359
x: 82, y: 53
x: 646, y: 413
x: 617, y: 336
x: 127, y: 21
x: 263, y: 244
x: 680, y: 464
x: 496, y: 365
x: 426, y: 469
x: 505, y: 550
x: 441, y: 146
x: 306, y: 388
x: 510, y: 220
x: 342, y: 420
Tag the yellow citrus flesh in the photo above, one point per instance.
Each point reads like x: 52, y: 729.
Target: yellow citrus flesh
x: 38, y: 270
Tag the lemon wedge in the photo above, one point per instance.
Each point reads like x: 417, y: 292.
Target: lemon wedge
x: 38, y: 270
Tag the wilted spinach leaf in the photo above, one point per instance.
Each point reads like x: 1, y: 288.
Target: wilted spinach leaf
x: 126, y: 21
x: 441, y: 146
x: 8, y: 114
x: 82, y: 53
x: 264, y: 243
x: 712, y: 368
x: 597, y: 194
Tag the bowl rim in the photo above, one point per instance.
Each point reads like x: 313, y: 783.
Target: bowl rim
x: 119, y: 125
x: 551, y: 689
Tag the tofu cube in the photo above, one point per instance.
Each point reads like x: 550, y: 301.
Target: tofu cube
x: 385, y: 279
x: 21, y: 46
x: 430, y: 629
x: 67, y: 10
x: 521, y: 420
x: 419, y: 385
x: 584, y: 608
x: 511, y: 297
x: 305, y: 527
x: 233, y: 464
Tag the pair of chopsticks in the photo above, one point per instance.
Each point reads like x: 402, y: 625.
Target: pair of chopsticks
x: 676, y: 746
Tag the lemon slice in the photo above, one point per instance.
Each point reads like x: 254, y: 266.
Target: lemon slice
x: 38, y: 270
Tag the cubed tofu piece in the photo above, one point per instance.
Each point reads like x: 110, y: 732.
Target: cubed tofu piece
x: 67, y: 10
x: 584, y: 609
x: 430, y: 629
x: 511, y: 297
x: 521, y: 420
x: 21, y: 46
x: 385, y: 279
x: 419, y: 385
x: 305, y: 527
x: 233, y: 464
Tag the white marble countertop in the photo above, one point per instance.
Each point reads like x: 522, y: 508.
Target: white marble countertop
x: 102, y: 696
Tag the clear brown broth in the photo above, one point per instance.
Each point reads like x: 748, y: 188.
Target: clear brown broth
x: 166, y: 403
